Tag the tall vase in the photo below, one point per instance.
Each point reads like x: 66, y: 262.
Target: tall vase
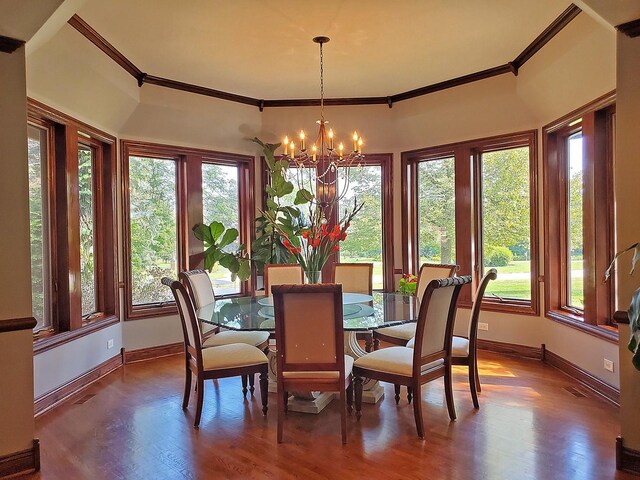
x: 313, y: 276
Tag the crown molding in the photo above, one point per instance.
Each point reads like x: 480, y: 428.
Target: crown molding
x: 511, y: 67
x: 9, y: 45
x: 630, y: 29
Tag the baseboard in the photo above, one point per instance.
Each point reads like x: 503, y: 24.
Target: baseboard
x: 153, y: 352
x: 21, y: 462
x: 626, y: 458
x: 587, y: 379
x: 54, y: 397
x: 512, y: 349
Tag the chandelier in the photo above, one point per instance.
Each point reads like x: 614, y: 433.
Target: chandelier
x: 323, y: 168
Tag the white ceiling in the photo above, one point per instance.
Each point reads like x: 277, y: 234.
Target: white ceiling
x: 263, y: 48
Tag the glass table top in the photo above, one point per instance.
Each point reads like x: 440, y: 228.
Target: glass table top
x: 249, y: 313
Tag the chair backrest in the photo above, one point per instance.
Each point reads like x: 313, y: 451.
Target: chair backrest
x: 472, y: 333
x: 354, y: 277
x: 309, y: 331
x: 199, y: 285
x: 434, y: 331
x: 282, y: 274
x: 190, y: 324
x: 431, y: 271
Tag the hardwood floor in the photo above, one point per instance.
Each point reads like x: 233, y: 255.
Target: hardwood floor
x: 529, y: 426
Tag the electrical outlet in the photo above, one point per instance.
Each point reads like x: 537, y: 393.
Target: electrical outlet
x: 483, y: 326
x: 608, y: 365
x: 109, y: 343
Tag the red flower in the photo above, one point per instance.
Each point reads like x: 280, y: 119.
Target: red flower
x: 305, y: 233
x: 315, y: 242
x: 324, y: 230
x: 336, y: 248
x: 344, y: 235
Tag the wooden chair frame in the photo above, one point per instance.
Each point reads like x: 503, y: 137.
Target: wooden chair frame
x: 269, y: 266
x: 342, y: 384
x: 418, y: 377
x: 471, y: 360
x: 378, y: 337
x: 366, y: 336
x: 194, y: 362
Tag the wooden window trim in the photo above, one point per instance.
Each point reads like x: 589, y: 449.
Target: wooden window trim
x: 385, y: 162
x: 64, y: 135
x: 189, y: 211
x: 468, y: 206
x: 597, y: 317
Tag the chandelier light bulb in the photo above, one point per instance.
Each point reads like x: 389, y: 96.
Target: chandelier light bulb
x: 302, y: 140
x: 285, y: 142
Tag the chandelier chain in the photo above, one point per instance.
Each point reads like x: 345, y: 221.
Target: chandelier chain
x: 321, y: 85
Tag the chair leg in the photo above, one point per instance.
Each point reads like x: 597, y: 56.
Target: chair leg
x: 343, y: 415
x: 478, y: 387
x: 368, y: 343
x: 187, y: 388
x: 473, y: 383
x: 409, y: 394
x: 285, y: 397
x: 448, y: 391
x: 245, y: 379
x: 350, y: 398
x: 281, y: 410
x: 252, y: 388
x: 200, y: 396
x: 417, y: 410
x: 358, y: 392
x: 397, y: 396
x: 376, y: 343
x: 264, y: 391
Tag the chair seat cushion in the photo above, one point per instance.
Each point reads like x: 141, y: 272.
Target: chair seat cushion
x: 348, y: 367
x: 230, y: 336
x: 460, y: 346
x: 404, y: 331
x: 394, y: 360
x: 232, y: 356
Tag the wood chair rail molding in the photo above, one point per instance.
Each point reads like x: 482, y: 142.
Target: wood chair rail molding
x: 510, y: 67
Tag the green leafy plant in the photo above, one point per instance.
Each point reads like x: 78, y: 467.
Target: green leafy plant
x: 268, y: 246
x: 216, y: 239
x: 634, y: 307
x: 408, y: 284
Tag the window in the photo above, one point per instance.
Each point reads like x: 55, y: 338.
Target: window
x: 474, y: 204
x: 73, y: 233
x: 39, y: 226
x: 370, y: 236
x: 579, y: 238
x: 167, y: 190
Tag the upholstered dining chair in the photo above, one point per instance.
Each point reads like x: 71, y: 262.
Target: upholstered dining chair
x: 464, y: 350
x: 431, y: 357
x: 401, y: 334
x: 212, y: 363
x: 280, y: 274
x: 310, y: 342
x: 356, y: 278
x: 201, y: 293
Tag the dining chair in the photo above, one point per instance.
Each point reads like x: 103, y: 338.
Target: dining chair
x: 401, y: 334
x: 356, y: 278
x: 223, y: 361
x: 431, y: 359
x: 464, y: 350
x: 280, y: 274
x: 310, y: 345
x: 201, y: 293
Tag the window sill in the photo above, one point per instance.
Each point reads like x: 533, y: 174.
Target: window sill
x: 518, y: 307
x: 56, y: 339
x: 604, y: 332
x: 140, y: 312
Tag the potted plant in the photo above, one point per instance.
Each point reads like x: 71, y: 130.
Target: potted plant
x: 216, y: 240
x: 408, y: 284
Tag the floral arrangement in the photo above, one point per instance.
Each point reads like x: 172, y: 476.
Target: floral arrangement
x: 312, y: 244
x: 408, y: 284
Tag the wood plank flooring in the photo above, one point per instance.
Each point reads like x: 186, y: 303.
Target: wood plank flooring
x: 533, y: 423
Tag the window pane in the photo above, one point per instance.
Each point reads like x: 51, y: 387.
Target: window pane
x: 364, y: 237
x: 38, y: 221
x: 220, y: 203
x: 87, y: 259
x: 436, y: 211
x: 575, y: 293
x: 153, y: 214
x: 506, y: 230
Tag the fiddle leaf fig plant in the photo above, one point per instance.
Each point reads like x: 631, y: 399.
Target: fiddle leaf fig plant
x: 217, y: 239
x: 634, y: 308
x: 268, y: 246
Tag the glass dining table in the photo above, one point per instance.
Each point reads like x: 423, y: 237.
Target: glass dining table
x: 361, y: 313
